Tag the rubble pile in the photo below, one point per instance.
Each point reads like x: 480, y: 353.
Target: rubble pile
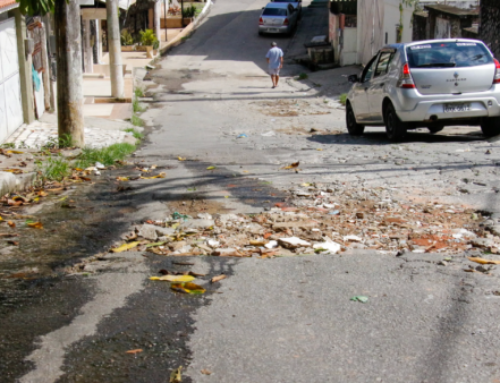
x: 322, y: 220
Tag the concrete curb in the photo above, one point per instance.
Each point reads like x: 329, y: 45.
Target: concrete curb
x: 11, y: 183
x: 187, y: 31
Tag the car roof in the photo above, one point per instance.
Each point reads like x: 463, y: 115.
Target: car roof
x: 441, y: 41
x: 276, y: 5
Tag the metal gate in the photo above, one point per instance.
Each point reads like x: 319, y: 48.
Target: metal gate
x: 11, y: 112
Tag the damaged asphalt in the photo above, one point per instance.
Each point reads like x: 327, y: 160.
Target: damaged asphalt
x: 73, y: 309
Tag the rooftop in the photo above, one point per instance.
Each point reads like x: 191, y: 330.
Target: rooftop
x: 7, y: 3
x: 454, y: 11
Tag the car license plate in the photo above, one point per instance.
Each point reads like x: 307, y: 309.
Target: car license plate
x: 456, y: 107
x: 273, y: 30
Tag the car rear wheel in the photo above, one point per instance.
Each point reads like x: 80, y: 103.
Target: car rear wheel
x: 491, y: 126
x: 353, y: 127
x: 394, y: 127
x: 435, y: 129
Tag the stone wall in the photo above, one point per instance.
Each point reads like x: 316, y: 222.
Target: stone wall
x: 489, y: 31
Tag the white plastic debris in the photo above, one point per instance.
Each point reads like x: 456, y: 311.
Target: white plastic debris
x: 100, y: 166
x: 352, y: 238
x: 330, y: 247
x: 271, y: 244
x: 212, y: 243
x: 293, y: 242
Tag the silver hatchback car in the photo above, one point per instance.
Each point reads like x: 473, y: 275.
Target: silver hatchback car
x: 278, y: 18
x: 431, y: 84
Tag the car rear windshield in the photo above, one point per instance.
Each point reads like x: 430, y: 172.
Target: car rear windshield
x: 274, y: 12
x: 448, y: 55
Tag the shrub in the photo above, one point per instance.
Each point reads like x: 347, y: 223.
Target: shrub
x: 126, y: 38
x: 189, y: 11
x: 148, y: 37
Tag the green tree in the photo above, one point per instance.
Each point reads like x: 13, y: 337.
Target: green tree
x: 69, y: 68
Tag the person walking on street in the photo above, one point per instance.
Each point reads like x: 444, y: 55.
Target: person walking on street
x: 275, y: 61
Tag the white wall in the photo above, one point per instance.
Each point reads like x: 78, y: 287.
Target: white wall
x: 375, y: 19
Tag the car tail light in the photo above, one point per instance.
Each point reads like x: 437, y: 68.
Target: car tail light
x: 496, y: 79
x: 285, y: 22
x: 261, y: 22
x: 405, y: 79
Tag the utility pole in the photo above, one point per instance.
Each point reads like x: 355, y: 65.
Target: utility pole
x: 69, y: 73
x: 114, y: 46
x: 156, y: 19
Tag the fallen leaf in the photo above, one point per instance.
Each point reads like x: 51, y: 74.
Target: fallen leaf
x: 258, y: 242
x: 14, y: 152
x: 188, y: 287
x: 122, y: 178
x: 483, y: 261
x: 42, y: 193
x: 175, y: 376
x: 181, y: 158
x: 211, y: 168
x: 291, y: 166
x: 161, y: 175
x: 360, y: 298
x: 218, y: 278
x: 174, y: 278
x: 136, y: 351
x: 206, y: 372
x: 155, y: 244
x: 125, y: 246
x: 35, y: 225
x: 15, y: 243
x: 11, y: 224
x: 8, y: 235
x: 14, y: 171
x: 184, y: 263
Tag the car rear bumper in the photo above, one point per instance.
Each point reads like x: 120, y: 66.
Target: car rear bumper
x: 415, y: 107
x: 273, y: 29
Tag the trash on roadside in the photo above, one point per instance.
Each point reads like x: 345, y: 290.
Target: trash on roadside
x: 218, y: 278
x: 175, y: 376
x: 360, y: 298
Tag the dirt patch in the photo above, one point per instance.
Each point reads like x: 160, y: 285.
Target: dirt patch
x: 289, y: 108
x: 192, y: 205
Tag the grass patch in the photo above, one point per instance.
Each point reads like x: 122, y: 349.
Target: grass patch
x: 106, y: 156
x: 137, y: 135
x: 138, y: 92
x: 343, y: 98
x: 136, y: 106
x: 303, y: 76
x: 55, y: 168
x: 136, y: 121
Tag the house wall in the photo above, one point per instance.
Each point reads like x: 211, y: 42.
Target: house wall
x: 489, y: 31
x: 377, y: 23
x: 333, y: 35
x: 437, y: 21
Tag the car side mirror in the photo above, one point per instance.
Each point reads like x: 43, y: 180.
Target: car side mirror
x: 353, y: 78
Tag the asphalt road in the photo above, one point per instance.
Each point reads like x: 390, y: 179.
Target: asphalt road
x: 272, y: 320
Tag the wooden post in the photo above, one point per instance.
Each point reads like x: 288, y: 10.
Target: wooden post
x: 114, y: 47
x: 69, y: 73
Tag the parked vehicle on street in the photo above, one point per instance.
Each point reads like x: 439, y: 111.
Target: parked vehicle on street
x: 433, y: 84
x: 278, y: 18
x: 297, y: 4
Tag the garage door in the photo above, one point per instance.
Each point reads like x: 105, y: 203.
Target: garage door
x: 11, y: 113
